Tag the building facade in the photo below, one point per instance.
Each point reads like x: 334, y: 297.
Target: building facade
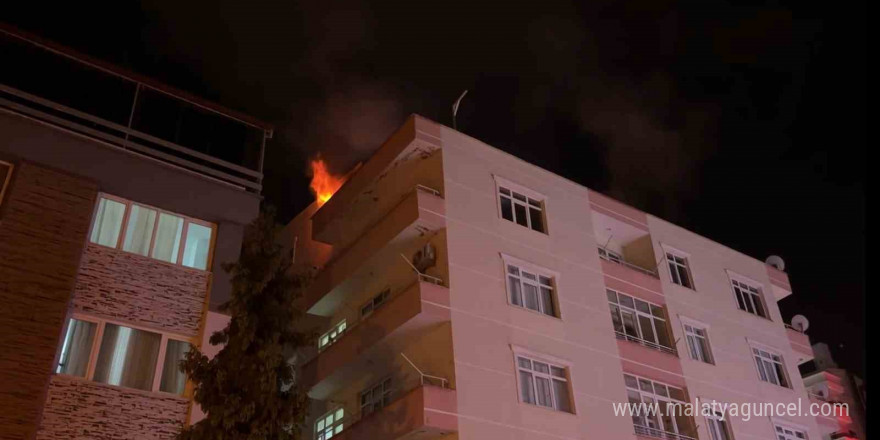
x: 826, y: 382
x: 120, y: 198
x: 464, y: 293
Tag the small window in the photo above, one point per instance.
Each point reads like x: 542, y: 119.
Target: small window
x: 521, y: 209
x: 76, y: 348
x: 331, y: 336
x: 788, y: 433
x: 330, y: 424
x: 151, y: 232
x: 679, y: 270
x: 173, y: 378
x: 771, y: 368
x: 718, y: 427
x: 529, y: 289
x: 610, y: 255
x: 375, y: 302
x: 749, y: 298
x: 127, y: 357
x: 639, y: 321
x: 5, y: 178
x: 376, y: 397
x: 698, y: 343
x: 544, y: 384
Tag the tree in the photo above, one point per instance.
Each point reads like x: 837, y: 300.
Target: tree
x: 249, y: 389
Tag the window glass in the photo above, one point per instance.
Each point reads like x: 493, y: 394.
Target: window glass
x: 173, y: 379
x: 127, y: 357
x: 76, y: 348
x: 521, y: 210
x: 168, y: 234
x: 198, y: 246
x: 531, y: 291
x: 139, y: 231
x: 544, y: 384
x: 108, y: 222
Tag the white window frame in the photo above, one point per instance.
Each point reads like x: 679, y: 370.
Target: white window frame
x: 540, y: 203
x: 639, y: 337
x: 686, y: 323
x: 375, y: 302
x: 751, y: 291
x: 762, y: 355
x: 649, y: 397
x: 182, y: 246
x: 719, y: 427
x: 380, y: 396
x: 538, y: 272
x: 551, y: 362
x: 789, y: 431
x: 675, y: 253
x: 334, y: 334
x: 5, y: 182
x: 609, y: 255
x: 336, y: 426
x: 95, y: 349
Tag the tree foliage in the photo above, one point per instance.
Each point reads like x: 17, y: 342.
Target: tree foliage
x: 249, y: 389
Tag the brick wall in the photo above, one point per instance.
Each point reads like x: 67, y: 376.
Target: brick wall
x: 43, y: 225
x: 79, y: 409
x: 131, y: 288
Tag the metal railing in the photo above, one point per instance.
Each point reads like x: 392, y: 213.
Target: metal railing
x: 659, y: 433
x: 89, y: 99
x: 403, y: 381
x: 646, y: 343
x: 607, y: 257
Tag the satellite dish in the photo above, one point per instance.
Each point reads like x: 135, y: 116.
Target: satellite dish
x: 800, y: 323
x: 775, y: 261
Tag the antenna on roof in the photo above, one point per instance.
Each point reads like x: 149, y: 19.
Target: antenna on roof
x: 455, y: 108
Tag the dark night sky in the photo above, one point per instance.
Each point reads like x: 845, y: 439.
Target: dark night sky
x: 743, y: 122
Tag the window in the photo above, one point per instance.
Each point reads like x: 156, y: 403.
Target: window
x: 718, y: 427
x: 662, y: 422
x: 749, y: 298
x: 527, y: 288
x: 376, y: 397
x: 521, y: 209
x: 124, y: 356
x: 152, y: 233
x: 770, y: 367
x: 679, y: 270
x: 698, y: 343
x: 329, y: 424
x: 788, y: 433
x: 76, y: 348
x: 375, y: 302
x: 610, y: 255
x: 639, y: 321
x: 543, y: 384
x: 5, y: 178
x: 331, y: 336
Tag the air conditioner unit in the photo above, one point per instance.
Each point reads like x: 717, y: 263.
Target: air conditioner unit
x: 425, y: 258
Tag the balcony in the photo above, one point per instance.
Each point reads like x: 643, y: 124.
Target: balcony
x: 800, y: 344
x: 625, y: 249
x: 125, y: 111
x: 382, y: 334
x: 644, y: 431
x: 418, y: 215
x: 419, y: 407
x: 645, y: 343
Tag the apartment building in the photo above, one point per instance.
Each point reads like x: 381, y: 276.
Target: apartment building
x: 826, y: 382
x: 464, y: 293
x: 120, y: 198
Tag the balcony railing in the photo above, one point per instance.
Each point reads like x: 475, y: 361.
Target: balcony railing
x: 403, y: 381
x: 614, y: 258
x: 659, y: 433
x: 645, y: 343
x: 123, y: 110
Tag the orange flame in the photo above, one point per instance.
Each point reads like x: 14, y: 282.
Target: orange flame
x: 323, y: 183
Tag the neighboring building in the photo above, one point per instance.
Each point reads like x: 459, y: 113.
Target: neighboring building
x: 464, y: 293
x: 826, y: 382
x: 119, y: 200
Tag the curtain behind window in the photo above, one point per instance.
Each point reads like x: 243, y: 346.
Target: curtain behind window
x: 127, y: 357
